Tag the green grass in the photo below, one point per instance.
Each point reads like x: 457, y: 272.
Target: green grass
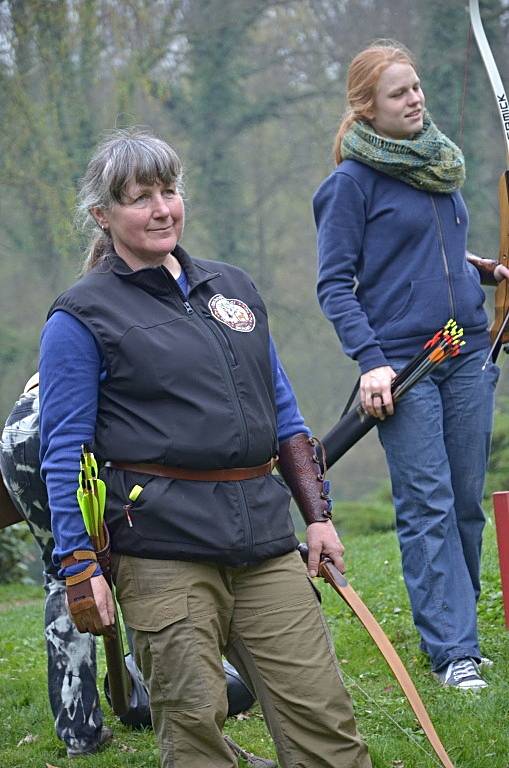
x: 473, y: 727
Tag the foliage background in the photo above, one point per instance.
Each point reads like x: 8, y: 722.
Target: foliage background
x: 250, y: 93
x: 472, y: 727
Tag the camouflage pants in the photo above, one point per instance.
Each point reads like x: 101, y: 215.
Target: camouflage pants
x: 72, y: 689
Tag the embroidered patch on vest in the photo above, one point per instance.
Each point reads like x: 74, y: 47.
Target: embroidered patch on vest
x: 233, y: 313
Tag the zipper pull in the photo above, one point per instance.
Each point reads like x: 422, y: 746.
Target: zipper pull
x: 126, y: 509
x: 133, y: 495
x: 188, y: 307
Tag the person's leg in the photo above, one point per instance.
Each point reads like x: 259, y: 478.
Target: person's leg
x: 279, y: 641
x: 434, y: 568
x: 72, y: 690
x: 179, y: 613
x: 72, y: 672
x: 235, y: 689
x: 468, y: 396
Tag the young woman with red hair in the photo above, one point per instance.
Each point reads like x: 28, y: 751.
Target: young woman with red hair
x: 394, y: 267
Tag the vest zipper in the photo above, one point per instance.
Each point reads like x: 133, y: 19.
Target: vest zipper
x: 444, y: 257
x: 231, y: 381
x: 232, y: 385
x: 216, y: 328
x: 247, y: 519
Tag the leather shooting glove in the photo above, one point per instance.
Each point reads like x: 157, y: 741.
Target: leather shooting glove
x: 89, y: 597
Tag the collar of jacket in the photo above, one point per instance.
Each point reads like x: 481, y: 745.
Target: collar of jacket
x: 154, y: 280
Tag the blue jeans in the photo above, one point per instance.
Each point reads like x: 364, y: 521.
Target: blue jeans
x: 437, y: 447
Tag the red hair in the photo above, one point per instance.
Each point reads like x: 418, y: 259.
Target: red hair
x: 362, y: 79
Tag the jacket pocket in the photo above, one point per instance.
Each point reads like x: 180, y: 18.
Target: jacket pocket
x: 151, y: 613
x: 469, y: 299
x: 425, y: 305
x: 268, y: 502
x: 173, y: 518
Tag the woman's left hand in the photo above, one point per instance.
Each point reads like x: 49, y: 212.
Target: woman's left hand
x: 375, y: 391
x: 323, y: 541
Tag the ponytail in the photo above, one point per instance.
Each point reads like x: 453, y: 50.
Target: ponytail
x: 97, y: 252
x: 348, y: 120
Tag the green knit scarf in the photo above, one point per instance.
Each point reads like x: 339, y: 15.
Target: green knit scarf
x: 430, y: 161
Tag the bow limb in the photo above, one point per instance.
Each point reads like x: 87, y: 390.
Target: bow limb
x: 492, y: 70
x: 338, y: 582
x: 502, y: 292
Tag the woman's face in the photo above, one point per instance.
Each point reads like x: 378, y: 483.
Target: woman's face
x: 146, y: 226
x: 399, y: 103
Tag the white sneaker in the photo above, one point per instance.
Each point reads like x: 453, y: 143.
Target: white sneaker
x: 463, y: 674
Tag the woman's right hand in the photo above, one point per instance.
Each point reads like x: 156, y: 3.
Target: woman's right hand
x: 375, y: 391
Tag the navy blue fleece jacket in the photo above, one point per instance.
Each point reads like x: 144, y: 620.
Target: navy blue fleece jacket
x: 392, y: 267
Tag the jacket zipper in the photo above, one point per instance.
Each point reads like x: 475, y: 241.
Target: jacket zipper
x: 444, y: 257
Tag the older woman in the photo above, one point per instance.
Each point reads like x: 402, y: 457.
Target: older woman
x: 393, y: 267
x: 176, y: 383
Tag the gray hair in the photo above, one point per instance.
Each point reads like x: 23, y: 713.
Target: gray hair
x: 125, y: 155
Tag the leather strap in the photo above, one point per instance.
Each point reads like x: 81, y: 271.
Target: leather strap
x: 77, y: 578
x: 208, y: 475
x: 77, y: 556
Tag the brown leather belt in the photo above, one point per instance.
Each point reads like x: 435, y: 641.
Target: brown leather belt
x: 210, y: 475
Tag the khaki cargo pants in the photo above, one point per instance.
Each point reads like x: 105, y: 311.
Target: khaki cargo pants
x: 267, y: 621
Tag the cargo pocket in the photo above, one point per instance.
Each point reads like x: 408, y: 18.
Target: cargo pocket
x: 166, y: 640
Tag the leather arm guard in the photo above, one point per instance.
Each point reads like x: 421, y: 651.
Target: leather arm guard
x: 300, y: 468
x: 485, y: 267
x: 80, y: 596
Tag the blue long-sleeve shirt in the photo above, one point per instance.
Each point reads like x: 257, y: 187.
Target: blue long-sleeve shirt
x: 71, y: 368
